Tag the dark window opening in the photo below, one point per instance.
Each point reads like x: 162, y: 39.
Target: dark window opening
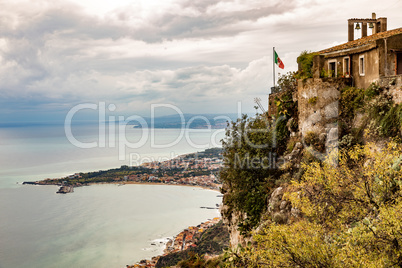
x: 399, y: 63
x: 361, y: 65
x: 346, y: 67
x: 332, y: 66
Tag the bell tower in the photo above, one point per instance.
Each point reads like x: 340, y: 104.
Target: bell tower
x: 377, y: 25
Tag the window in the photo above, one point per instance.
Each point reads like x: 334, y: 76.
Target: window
x: 332, y: 70
x: 399, y: 63
x: 346, y: 66
x: 361, y: 65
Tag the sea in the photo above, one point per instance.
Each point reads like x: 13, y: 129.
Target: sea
x: 99, y: 225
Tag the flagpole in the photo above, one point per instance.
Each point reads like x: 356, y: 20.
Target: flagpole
x: 273, y: 65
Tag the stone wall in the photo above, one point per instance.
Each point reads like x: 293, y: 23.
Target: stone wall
x: 371, y: 68
x: 394, y: 85
x: 318, y: 103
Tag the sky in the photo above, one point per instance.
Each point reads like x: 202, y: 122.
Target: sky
x: 209, y: 56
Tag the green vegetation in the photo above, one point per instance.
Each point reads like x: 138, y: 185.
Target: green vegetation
x: 305, y: 60
x: 248, y: 168
x: 311, y: 139
x: 103, y: 175
x: 213, y: 241
x: 286, y: 111
x: 384, y: 117
x: 208, y: 153
x: 287, y: 81
x: 324, y: 73
x: 251, y: 148
x: 391, y: 123
x: 380, y: 117
x: 196, y: 261
x: 372, y: 91
x: 351, y: 215
x: 349, y: 206
x: 351, y: 102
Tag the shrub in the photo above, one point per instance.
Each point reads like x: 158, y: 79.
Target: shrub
x: 291, y: 144
x: 305, y: 60
x: 351, y: 215
x: 372, y: 91
x: 385, y: 118
x: 287, y: 81
x: 248, y: 168
x: 391, y: 122
x: 311, y: 139
x: 352, y: 100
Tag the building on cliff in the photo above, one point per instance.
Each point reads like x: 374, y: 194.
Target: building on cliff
x: 364, y: 60
x: 375, y: 58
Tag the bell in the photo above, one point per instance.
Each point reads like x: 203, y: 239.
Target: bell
x: 371, y: 25
x: 357, y: 26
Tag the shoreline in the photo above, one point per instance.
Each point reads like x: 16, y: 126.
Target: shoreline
x: 38, y: 183
x: 198, y: 169
x: 178, y: 243
x: 159, y: 183
x: 168, y: 241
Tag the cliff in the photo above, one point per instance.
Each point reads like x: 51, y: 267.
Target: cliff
x: 273, y: 162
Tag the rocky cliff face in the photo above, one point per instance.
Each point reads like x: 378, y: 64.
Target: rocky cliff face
x: 394, y: 85
x: 279, y: 209
x: 321, y: 127
x: 232, y: 219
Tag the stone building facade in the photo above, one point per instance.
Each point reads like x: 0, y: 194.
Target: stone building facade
x: 376, y: 58
x: 365, y: 60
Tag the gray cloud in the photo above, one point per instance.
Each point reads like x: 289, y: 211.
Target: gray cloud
x: 203, y: 56
x: 68, y: 21
x: 204, y: 21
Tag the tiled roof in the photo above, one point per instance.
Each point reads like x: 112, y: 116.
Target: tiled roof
x: 363, y: 41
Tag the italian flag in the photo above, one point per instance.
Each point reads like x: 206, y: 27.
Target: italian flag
x: 279, y: 61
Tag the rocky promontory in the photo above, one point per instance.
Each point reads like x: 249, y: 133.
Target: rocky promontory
x: 65, y: 190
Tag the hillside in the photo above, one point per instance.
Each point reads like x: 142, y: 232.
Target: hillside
x: 299, y: 196
x: 296, y: 198
x: 212, y: 242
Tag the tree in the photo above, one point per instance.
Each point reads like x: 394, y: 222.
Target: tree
x: 249, y: 165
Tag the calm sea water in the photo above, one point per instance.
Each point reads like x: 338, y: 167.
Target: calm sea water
x: 96, y: 226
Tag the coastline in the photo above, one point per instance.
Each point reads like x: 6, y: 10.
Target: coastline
x: 199, y: 169
x: 160, y: 183
x: 183, y: 241
x: 128, y: 252
x: 191, y: 170
x: 166, y: 242
x: 120, y: 183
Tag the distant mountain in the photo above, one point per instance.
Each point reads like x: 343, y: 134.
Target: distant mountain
x: 199, y: 121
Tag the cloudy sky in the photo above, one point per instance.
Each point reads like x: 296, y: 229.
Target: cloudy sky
x: 202, y: 56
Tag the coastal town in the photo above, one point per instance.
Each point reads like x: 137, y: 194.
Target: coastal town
x: 185, y: 240
x: 188, y: 237
x: 199, y: 169
x: 196, y: 169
